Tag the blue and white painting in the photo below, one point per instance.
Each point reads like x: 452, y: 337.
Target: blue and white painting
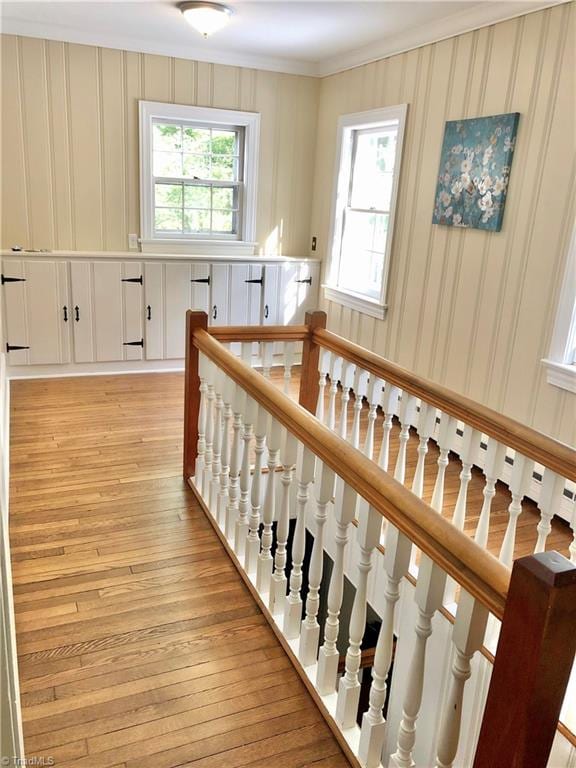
x: 474, y: 171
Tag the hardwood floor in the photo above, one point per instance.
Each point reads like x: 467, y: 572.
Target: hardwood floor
x: 139, y: 646
x: 138, y: 643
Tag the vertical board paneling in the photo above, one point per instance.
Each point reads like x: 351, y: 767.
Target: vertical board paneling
x: 70, y: 146
x: 471, y: 309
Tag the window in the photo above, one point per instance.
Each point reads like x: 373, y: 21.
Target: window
x: 198, y: 178
x: 368, y: 168
x: 561, y: 361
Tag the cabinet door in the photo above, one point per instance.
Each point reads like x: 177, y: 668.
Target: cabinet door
x: 200, y: 280
x: 219, y: 309
x: 154, y: 311
x: 308, y: 284
x: 37, y: 312
x: 81, y: 281
x: 107, y: 309
x: 177, y: 302
x: 271, y: 298
x: 288, y: 313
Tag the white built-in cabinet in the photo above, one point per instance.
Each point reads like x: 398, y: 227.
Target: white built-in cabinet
x: 108, y: 310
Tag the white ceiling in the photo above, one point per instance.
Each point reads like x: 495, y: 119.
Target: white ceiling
x: 299, y: 36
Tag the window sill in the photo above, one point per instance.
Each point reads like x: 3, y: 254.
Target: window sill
x: 356, y: 301
x: 560, y: 374
x: 199, y: 247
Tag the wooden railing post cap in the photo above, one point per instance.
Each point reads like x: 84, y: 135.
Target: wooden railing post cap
x: 316, y: 319
x: 197, y: 318
x: 551, y: 568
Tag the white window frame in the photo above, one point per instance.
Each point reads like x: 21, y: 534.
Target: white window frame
x: 245, y: 243
x: 347, y: 124
x: 561, y: 361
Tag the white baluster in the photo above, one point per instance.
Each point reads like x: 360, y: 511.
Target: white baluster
x: 572, y: 547
x: 551, y: 495
x: 375, y: 387
x: 199, y: 469
x: 293, y: 606
x: 329, y: 656
x: 267, y: 354
x: 426, y: 424
x: 406, y: 416
x: 368, y: 535
x: 445, y: 438
x: 227, y: 391
x: 335, y: 373
x: 310, y: 629
x: 265, y: 561
x: 217, y: 445
x: 469, y: 457
x: 390, y: 408
x: 396, y: 560
x: 360, y: 392
x: 428, y: 596
x: 346, y: 380
x: 232, y: 509
x: 253, y: 540
x: 519, y: 485
x: 467, y: 637
x: 325, y: 358
x: 493, y: 467
x: 288, y: 363
x: 242, y: 523
x: 288, y: 455
x: 210, y: 395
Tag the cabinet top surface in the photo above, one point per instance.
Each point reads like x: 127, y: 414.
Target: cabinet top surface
x: 138, y: 256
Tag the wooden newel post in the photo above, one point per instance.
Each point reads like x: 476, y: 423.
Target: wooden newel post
x: 532, y: 666
x: 194, y: 321
x: 310, y: 376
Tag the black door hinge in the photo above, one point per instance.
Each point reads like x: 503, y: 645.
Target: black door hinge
x: 256, y: 280
x: 132, y: 280
x: 201, y: 280
x: 13, y: 347
x: 4, y: 279
x: 134, y: 343
x: 307, y: 280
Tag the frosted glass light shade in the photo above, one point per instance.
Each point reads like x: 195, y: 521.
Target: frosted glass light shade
x: 206, y: 17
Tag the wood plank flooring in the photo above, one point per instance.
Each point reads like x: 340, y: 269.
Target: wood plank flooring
x: 138, y: 643
x: 139, y: 646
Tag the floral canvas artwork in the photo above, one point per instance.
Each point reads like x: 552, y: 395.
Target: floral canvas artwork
x: 474, y: 171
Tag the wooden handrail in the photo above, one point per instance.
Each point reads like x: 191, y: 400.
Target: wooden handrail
x: 481, y: 574
x: 558, y: 457
x: 227, y: 333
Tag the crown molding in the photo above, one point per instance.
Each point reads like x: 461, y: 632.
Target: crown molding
x: 193, y: 52
x: 483, y: 15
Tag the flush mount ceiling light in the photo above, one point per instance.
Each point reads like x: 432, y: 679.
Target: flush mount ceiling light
x: 206, y: 17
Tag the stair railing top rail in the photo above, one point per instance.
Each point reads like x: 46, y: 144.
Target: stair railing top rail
x: 551, y: 453
x: 475, y: 569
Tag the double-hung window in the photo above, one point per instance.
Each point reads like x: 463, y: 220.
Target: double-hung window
x: 198, y: 178
x: 368, y: 169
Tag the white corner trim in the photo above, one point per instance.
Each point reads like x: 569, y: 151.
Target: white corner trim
x: 355, y: 301
x: 199, y: 247
x: 560, y: 375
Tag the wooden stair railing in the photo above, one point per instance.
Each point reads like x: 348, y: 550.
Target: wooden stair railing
x: 538, y: 606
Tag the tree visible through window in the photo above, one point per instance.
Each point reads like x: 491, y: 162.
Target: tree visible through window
x: 197, y: 175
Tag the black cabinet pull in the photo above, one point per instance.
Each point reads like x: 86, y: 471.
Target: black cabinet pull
x: 307, y: 280
x: 214, y: 312
x: 256, y: 280
x: 132, y: 280
x: 5, y: 279
x: 77, y: 313
x: 134, y: 343
x: 205, y: 280
x: 12, y: 347
x: 149, y: 312
x: 266, y: 311
x: 65, y: 310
